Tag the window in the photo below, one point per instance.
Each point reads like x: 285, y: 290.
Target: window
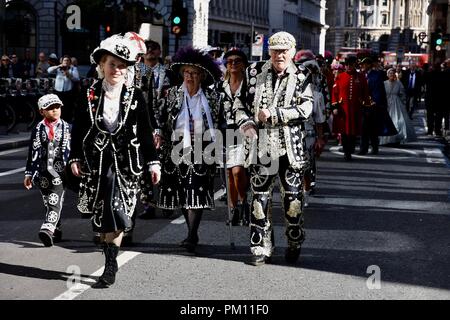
x: 349, y: 18
x: 384, y: 19
x: 364, y: 20
x: 384, y: 3
x: 346, y: 39
x: 350, y: 3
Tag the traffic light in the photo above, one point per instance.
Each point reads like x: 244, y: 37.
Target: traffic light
x: 439, y: 41
x: 179, y: 18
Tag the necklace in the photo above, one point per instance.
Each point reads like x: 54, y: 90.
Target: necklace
x: 112, y: 91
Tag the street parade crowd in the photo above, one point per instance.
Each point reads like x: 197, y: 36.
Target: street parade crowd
x: 146, y: 130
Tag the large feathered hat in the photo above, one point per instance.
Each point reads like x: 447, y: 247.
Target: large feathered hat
x: 189, y: 56
x: 118, y: 45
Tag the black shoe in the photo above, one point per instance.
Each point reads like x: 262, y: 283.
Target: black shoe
x: 148, y: 213
x: 46, y: 237
x: 259, y: 260
x: 291, y: 255
x: 374, y: 151
x: 166, y: 213
x: 348, y: 157
x: 189, y: 242
x: 235, y: 217
x: 190, y: 247
x: 362, y: 152
x: 57, y: 235
x: 245, y: 211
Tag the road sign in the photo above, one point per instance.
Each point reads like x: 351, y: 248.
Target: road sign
x: 422, y: 35
x: 257, y: 46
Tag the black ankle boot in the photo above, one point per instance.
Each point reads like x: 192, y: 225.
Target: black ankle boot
x: 235, y: 217
x: 109, y: 274
x: 245, y: 213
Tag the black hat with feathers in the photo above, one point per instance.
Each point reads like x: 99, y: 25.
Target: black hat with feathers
x: 188, y: 56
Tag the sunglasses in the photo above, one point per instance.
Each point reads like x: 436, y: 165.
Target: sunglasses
x: 234, y: 61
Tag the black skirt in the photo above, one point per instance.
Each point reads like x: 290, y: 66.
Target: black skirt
x: 111, y: 212
x: 186, y: 186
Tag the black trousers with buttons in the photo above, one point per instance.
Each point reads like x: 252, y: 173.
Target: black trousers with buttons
x: 52, y: 191
x: 261, y: 223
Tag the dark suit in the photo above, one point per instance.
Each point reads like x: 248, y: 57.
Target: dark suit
x: 370, y: 125
x: 413, y: 88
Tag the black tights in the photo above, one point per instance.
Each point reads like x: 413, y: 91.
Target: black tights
x: 193, y: 218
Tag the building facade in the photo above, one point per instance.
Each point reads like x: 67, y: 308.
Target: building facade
x: 380, y: 25
x: 231, y: 22
x: 42, y: 25
x: 305, y: 19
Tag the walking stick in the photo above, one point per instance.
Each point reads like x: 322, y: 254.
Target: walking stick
x: 228, y: 201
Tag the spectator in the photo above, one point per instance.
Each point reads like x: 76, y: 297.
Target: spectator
x: 66, y: 75
x: 42, y: 66
x: 29, y: 65
x: 5, y: 68
x: 16, y: 66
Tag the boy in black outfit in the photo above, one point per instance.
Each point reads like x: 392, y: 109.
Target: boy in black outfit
x: 47, y: 158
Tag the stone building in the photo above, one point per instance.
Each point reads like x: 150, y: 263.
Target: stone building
x: 305, y: 19
x: 380, y: 25
x: 230, y: 22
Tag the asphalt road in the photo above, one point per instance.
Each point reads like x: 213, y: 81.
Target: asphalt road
x: 376, y: 229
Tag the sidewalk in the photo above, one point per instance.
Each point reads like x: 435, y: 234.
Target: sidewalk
x: 21, y: 139
x: 14, y: 140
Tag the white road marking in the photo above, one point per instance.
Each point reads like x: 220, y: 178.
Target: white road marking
x: 122, y: 259
x: 179, y: 220
x: 337, y: 150
x: 79, y: 288
x: 434, y: 156
x: 10, y: 172
x: 5, y: 152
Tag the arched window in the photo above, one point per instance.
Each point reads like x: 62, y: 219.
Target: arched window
x: 20, y: 29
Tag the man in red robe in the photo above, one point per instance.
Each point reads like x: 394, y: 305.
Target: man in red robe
x: 350, y: 92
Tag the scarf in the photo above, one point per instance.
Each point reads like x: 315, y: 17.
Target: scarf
x: 51, y: 130
x: 196, y: 114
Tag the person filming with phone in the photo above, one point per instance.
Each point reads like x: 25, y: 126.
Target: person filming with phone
x: 66, y: 75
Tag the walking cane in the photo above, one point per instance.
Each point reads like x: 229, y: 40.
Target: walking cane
x: 228, y: 201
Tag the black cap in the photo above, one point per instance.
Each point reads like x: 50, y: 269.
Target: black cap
x: 367, y: 60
